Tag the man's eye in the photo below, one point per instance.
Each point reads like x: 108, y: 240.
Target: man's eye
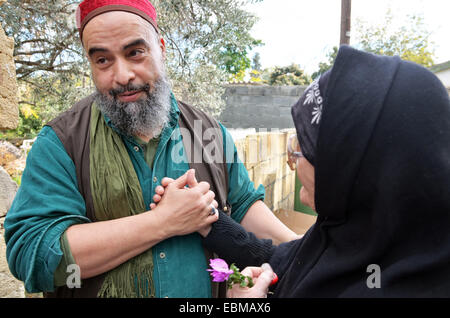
x: 135, y: 53
x: 102, y: 60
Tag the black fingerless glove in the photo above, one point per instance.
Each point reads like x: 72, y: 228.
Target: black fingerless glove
x: 231, y: 242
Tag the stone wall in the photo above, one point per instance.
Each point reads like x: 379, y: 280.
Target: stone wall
x: 264, y: 155
x: 9, y: 111
x: 259, y: 106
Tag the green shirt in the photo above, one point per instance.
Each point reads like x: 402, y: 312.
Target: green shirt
x: 61, y: 274
x: 48, y: 202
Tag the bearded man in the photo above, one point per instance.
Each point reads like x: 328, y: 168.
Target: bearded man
x: 91, y: 174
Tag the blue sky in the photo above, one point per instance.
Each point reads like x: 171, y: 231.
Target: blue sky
x: 303, y: 31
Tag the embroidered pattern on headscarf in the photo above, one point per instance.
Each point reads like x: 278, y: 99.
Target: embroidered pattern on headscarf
x: 313, y: 96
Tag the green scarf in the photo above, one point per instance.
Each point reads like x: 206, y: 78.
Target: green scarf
x: 116, y: 193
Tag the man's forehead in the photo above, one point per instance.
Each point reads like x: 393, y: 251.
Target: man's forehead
x: 89, y: 9
x: 116, y: 18
x: 115, y: 24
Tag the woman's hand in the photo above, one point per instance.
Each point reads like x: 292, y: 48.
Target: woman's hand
x: 262, y: 278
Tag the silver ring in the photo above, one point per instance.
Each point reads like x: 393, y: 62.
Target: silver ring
x: 213, y: 210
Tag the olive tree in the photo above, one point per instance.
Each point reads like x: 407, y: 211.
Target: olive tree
x: 53, y: 72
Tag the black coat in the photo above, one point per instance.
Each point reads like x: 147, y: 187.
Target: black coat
x: 382, y: 186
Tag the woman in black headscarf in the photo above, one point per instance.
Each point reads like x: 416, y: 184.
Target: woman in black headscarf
x: 374, y: 160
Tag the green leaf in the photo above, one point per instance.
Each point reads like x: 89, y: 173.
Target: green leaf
x: 250, y: 282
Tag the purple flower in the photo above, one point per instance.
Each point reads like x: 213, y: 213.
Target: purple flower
x: 220, y: 270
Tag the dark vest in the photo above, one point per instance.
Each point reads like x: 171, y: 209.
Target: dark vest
x: 73, y: 129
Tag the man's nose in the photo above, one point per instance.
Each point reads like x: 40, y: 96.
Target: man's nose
x: 123, y: 73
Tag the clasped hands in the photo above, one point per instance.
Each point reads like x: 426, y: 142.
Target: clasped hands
x: 192, y: 200
x: 186, y: 203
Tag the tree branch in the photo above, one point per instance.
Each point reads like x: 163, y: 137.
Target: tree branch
x: 28, y: 103
x: 31, y: 52
x: 182, y: 59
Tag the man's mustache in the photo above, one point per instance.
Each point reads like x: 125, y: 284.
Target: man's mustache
x: 129, y: 88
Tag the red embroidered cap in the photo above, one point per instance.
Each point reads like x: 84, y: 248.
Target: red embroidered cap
x: 88, y: 9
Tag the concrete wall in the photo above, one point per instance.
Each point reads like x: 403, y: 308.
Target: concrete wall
x: 9, y: 111
x: 259, y: 119
x: 265, y: 156
x: 259, y: 106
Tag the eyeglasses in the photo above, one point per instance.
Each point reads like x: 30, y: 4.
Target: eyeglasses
x: 294, y: 147
x: 293, y: 150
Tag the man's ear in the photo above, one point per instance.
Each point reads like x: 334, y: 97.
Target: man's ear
x: 162, y: 45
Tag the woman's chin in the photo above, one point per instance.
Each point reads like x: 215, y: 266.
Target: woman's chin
x: 307, y: 199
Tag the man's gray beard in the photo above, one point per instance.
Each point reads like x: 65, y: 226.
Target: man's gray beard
x: 145, y: 117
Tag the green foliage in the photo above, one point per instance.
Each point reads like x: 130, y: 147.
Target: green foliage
x: 238, y: 278
x: 234, y: 59
x: 17, y: 179
x: 325, y: 66
x: 28, y: 126
x: 410, y: 41
x: 255, y: 76
x: 205, y: 41
x: 43, y: 98
x: 289, y: 75
x: 45, y: 37
x: 49, y: 58
x: 256, y: 62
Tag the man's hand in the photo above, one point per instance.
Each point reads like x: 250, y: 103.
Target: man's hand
x: 159, y: 190
x: 186, y: 196
x: 185, y: 209
x: 261, y: 276
x: 99, y: 247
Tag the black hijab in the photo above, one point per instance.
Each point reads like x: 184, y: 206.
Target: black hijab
x: 382, y: 178
x: 307, y: 114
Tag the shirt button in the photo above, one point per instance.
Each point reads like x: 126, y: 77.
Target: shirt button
x: 155, y: 179
x: 162, y: 255
x: 136, y: 148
